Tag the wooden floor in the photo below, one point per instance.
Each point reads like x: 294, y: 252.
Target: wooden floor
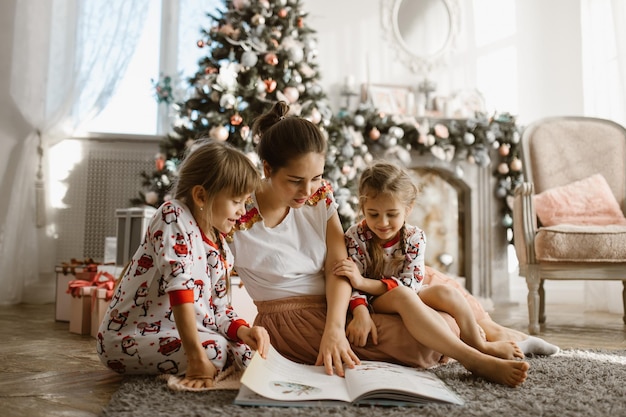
x: 47, y: 371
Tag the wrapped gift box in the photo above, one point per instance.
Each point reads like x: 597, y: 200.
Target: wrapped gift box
x: 80, y: 311
x: 132, y: 224
x: 64, y: 275
x: 100, y: 299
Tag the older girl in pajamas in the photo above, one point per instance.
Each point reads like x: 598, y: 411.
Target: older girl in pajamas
x: 171, y: 312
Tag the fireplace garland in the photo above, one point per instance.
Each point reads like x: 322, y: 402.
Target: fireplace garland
x: 486, y: 140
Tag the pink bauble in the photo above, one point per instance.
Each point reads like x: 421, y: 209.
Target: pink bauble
x: 374, y: 134
x: 292, y: 94
x: 516, y: 164
x: 504, y: 150
x: 503, y: 168
x: 316, y: 116
x: 271, y: 59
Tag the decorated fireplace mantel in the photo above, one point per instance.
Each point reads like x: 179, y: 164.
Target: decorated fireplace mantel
x: 488, y: 141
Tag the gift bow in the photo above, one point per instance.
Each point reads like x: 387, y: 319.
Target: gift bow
x: 102, y: 279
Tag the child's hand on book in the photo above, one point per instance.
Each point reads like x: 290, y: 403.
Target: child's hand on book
x: 256, y: 337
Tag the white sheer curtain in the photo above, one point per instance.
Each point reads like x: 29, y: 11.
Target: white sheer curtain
x: 604, y: 85
x: 67, y: 58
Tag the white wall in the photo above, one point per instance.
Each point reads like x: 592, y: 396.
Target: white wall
x: 549, y: 53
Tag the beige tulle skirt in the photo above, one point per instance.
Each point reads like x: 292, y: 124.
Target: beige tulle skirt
x: 296, y: 325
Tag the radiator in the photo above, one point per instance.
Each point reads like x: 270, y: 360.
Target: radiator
x: 106, y: 179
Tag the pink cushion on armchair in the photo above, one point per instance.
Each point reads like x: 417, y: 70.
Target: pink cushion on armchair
x: 589, y: 201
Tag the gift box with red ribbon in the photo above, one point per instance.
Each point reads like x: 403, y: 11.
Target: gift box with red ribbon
x: 89, y: 298
x: 69, y: 271
x: 100, y: 299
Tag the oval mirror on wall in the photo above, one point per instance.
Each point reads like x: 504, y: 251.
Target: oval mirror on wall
x: 421, y: 31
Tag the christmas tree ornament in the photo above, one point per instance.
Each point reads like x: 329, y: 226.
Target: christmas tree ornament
x: 159, y: 163
x: 151, y: 197
x: 228, y: 101
x: 516, y: 164
x: 374, y: 134
x: 236, y: 119
x: 257, y: 20
x: 295, y: 53
x: 270, y: 85
x: 249, y: 59
x: 282, y: 13
x: 504, y: 149
x: 219, y: 133
x: 503, y: 168
x: 316, y: 116
x: 271, y: 59
x: 469, y: 138
x: 292, y: 94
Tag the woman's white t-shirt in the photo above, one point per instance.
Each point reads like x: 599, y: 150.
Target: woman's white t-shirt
x: 286, y: 260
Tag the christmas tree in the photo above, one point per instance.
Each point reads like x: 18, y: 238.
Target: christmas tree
x: 257, y: 52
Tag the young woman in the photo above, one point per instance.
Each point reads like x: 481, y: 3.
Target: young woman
x: 286, y: 247
x: 171, y: 312
x: 387, y: 253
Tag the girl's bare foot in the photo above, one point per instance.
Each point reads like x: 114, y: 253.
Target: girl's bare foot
x: 529, y: 345
x: 501, y: 371
x: 504, y: 350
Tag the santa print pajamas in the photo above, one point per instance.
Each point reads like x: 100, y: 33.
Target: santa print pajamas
x: 175, y: 263
x: 359, y: 236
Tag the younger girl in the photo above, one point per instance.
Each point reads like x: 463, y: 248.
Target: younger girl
x: 171, y: 312
x: 390, y: 253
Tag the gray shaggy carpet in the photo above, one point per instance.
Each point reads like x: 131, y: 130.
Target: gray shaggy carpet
x: 571, y: 383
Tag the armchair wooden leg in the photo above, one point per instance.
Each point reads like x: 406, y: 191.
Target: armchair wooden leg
x: 542, y: 302
x: 533, y: 282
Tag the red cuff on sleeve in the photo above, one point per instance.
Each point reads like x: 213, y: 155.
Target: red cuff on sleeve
x: 389, y: 283
x: 179, y: 297
x: 357, y: 302
x: 234, y: 326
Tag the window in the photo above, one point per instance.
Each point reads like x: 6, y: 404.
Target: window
x: 604, y: 57
x: 133, y: 108
x: 496, y: 53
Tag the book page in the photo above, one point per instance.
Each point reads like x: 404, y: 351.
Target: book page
x: 381, y: 380
x: 281, y: 379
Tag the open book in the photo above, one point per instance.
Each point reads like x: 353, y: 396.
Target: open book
x: 277, y: 381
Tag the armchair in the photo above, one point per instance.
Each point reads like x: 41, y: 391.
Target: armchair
x: 568, y: 222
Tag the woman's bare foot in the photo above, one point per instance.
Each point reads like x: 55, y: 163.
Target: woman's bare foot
x: 501, y: 371
x: 504, y: 350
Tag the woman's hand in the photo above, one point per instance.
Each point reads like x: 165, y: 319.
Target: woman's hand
x: 347, y: 268
x: 360, y: 327
x: 256, y: 337
x: 335, y: 351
